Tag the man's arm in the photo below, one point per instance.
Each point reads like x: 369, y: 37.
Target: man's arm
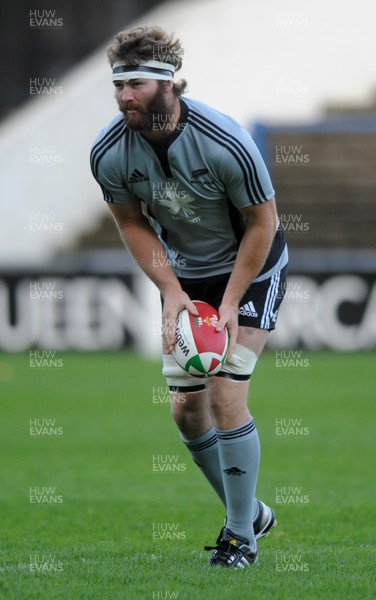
x: 253, y: 251
x: 144, y: 245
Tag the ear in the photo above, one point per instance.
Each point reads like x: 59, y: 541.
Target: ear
x: 168, y: 86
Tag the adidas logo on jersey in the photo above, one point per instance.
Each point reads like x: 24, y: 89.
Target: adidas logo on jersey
x: 137, y: 177
x: 248, y: 310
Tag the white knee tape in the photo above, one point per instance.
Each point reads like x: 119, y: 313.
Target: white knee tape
x: 242, y: 361
x: 177, y: 378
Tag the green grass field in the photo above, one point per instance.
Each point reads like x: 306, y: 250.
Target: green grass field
x: 87, y: 530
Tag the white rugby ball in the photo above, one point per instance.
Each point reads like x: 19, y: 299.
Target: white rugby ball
x: 200, y: 349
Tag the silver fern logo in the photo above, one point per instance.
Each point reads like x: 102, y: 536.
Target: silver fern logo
x: 178, y: 202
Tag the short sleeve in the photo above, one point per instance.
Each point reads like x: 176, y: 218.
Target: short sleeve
x: 105, y: 162
x: 113, y: 186
x: 244, y: 172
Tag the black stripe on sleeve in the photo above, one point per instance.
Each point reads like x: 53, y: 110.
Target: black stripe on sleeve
x: 237, y: 149
x: 100, y: 149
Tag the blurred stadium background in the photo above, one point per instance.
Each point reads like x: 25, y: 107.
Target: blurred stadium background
x: 67, y: 283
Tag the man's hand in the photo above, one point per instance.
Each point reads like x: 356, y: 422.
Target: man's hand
x: 229, y: 318
x: 174, y: 302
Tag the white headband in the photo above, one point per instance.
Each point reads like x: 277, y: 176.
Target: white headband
x: 151, y: 69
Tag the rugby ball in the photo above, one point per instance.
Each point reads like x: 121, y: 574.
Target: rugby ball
x: 200, y: 349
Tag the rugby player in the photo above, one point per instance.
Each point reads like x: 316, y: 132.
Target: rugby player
x: 186, y: 182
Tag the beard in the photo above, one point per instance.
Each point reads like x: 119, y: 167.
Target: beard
x: 150, y: 117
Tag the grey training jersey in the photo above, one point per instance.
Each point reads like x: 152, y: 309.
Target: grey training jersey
x: 191, y: 188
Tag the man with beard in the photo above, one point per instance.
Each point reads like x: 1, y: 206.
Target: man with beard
x: 187, y: 183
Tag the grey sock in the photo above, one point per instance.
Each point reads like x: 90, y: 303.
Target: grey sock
x: 204, y: 451
x: 239, y: 456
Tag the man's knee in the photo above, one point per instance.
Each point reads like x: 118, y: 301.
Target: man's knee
x: 187, y: 392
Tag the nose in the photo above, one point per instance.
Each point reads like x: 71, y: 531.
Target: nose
x: 126, y: 93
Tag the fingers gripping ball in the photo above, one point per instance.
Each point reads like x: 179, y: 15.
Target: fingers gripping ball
x: 200, y: 349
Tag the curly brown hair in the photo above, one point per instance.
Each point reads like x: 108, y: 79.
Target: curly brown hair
x: 139, y: 44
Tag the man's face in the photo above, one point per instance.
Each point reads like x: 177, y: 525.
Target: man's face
x: 141, y: 101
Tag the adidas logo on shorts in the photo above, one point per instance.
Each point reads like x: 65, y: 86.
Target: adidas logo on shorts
x: 248, y: 310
